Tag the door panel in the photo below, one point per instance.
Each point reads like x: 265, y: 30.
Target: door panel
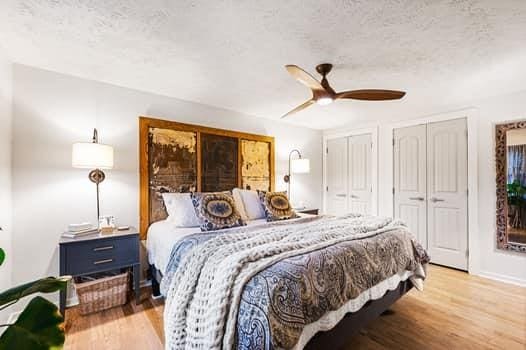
x: 410, y: 179
x: 360, y: 190
x: 337, y: 176
x: 447, y: 193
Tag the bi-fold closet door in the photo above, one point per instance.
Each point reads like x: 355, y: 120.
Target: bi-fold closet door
x: 430, y: 187
x: 349, y: 175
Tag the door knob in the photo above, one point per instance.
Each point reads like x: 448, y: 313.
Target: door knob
x: 434, y: 200
x: 417, y: 198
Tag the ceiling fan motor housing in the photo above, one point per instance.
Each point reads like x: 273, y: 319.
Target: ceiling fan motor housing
x: 324, y: 68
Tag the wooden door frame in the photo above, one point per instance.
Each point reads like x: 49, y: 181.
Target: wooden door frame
x: 374, y: 162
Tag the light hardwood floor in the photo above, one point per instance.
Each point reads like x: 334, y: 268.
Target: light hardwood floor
x: 456, y: 311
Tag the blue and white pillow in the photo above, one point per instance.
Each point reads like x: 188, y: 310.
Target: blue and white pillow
x: 216, y: 210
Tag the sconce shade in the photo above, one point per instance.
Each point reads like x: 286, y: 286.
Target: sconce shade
x: 300, y: 166
x: 91, y: 156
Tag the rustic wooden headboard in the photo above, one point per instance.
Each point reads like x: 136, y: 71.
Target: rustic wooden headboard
x: 177, y: 157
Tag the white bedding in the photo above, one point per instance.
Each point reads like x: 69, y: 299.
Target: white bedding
x: 163, y: 235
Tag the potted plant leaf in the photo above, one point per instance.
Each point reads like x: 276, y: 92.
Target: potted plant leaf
x: 40, y: 325
x: 516, y: 193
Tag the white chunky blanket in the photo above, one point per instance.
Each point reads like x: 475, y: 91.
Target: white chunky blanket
x: 203, y: 298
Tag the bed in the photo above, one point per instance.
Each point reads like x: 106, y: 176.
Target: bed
x: 306, y: 282
x: 282, y: 300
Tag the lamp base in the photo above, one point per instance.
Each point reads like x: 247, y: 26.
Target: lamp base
x: 97, y: 176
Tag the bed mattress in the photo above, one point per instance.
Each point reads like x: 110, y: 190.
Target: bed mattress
x: 163, y: 235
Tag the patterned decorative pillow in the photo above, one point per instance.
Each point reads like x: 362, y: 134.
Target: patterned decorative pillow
x: 277, y: 206
x: 216, y: 211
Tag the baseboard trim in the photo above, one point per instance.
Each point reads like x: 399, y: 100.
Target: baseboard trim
x: 502, y: 278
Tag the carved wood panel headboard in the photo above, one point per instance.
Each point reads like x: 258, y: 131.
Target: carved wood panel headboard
x: 177, y: 157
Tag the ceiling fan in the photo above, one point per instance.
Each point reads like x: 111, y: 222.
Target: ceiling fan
x: 323, y: 94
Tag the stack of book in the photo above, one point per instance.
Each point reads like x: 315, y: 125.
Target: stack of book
x: 79, y: 230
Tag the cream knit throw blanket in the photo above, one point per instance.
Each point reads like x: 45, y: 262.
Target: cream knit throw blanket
x: 203, y: 297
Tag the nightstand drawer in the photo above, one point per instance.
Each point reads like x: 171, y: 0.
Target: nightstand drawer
x: 84, y: 257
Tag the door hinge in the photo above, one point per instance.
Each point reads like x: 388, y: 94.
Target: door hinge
x: 393, y: 141
x: 467, y: 253
x: 327, y: 188
x: 393, y: 190
x: 327, y: 150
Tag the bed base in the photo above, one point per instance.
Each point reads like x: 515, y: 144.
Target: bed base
x: 156, y: 276
x: 351, y: 324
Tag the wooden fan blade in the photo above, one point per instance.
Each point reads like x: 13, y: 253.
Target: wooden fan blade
x: 371, y: 95
x: 299, y: 108
x: 304, y: 77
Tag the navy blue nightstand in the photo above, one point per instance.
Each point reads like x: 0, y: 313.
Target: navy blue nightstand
x: 100, y: 253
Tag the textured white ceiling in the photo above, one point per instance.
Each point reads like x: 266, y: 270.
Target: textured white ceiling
x: 231, y: 53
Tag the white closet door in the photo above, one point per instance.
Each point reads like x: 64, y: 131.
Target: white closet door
x: 447, y: 193
x: 410, y: 179
x: 360, y: 190
x: 337, y: 176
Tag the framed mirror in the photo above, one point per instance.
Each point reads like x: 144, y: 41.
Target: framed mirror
x: 510, y: 152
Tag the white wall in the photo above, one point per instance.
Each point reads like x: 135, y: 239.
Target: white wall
x: 51, y: 111
x: 484, y: 259
x: 5, y: 168
x: 495, y: 263
x: 516, y: 137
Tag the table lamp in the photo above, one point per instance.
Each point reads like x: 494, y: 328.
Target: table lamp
x: 93, y: 155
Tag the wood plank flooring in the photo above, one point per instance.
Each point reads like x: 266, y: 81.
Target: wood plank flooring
x: 456, y: 311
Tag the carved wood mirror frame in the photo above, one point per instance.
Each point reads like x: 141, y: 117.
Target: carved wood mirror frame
x: 501, y: 168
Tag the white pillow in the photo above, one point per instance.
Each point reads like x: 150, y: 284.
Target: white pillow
x: 251, y: 204
x: 180, y: 209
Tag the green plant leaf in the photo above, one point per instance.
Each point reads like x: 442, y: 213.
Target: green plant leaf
x: 2, y: 256
x: 39, y: 327
x: 43, y: 285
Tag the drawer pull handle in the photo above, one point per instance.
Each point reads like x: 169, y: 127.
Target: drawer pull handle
x: 105, y: 261
x: 98, y: 249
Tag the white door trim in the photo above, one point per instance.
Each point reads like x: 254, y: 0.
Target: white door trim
x: 374, y: 162
x: 471, y: 115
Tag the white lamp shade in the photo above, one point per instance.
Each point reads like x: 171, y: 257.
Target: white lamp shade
x: 92, y: 156
x: 300, y: 166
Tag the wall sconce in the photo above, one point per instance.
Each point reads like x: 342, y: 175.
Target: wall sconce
x: 296, y: 166
x: 93, y: 155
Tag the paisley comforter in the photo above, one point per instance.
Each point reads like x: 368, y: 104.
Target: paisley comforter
x: 258, y: 287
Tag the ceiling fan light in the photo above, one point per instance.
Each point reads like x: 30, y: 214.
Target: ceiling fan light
x: 324, y: 101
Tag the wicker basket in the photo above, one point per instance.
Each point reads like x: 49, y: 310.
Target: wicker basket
x: 103, y: 293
